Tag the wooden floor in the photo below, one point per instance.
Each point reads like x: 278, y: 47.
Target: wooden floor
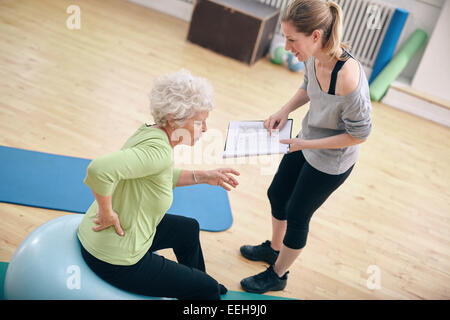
x: 83, y: 92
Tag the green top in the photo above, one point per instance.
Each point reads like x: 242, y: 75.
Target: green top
x: 141, y: 179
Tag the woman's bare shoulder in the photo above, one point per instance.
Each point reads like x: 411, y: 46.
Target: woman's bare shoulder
x: 348, y: 78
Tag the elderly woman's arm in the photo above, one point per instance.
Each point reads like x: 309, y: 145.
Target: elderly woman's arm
x: 104, y: 172
x: 218, y: 177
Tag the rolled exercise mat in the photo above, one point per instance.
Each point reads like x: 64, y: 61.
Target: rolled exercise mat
x: 393, y: 69
x: 390, y: 41
x: 55, y: 182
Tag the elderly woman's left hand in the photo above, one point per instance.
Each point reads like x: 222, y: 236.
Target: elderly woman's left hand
x: 221, y: 177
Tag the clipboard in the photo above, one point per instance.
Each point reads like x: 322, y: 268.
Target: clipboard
x: 250, y: 138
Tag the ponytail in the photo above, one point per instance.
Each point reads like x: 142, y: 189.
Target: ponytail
x: 334, y: 32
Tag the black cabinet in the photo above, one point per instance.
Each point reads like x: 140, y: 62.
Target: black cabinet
x: 240, y: 29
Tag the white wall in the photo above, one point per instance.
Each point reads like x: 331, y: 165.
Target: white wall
x: 433, y: 73
x: 423, y: 14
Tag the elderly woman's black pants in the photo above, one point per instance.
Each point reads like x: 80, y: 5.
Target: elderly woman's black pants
x: 296, y: 192
x: 157, y: 276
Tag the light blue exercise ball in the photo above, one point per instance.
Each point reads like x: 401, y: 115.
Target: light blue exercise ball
x: 294, y: 64
x: 48, y: 265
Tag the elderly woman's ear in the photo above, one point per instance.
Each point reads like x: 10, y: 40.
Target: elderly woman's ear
x: 171, y: 122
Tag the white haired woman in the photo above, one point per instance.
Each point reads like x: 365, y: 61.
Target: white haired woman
x: 127, y: 222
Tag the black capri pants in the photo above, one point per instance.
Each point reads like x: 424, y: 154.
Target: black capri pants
x: 157, y: 276
x: 296, y: 192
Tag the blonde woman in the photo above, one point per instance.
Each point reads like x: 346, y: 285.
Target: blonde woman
x: 127, y: 222
x: 324, y: 153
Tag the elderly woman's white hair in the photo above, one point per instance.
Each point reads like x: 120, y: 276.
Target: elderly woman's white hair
x: 180, y: 94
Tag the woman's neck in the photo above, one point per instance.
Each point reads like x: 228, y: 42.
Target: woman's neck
x: 325, y: 61
x: 168, y: 132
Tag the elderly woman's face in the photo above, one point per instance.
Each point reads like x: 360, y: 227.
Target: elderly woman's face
x: 196, y: 126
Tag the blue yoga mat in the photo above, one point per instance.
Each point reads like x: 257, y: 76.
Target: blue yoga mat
x: 52, y: 181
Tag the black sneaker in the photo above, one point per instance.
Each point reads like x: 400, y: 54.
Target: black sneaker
x: 262, y: 252
x: 265, y: 281
x: 222, y: 289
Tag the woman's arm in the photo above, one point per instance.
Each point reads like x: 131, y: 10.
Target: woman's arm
x: 339, y: 141
x: 279, y: 119
x: 299, y: 99
x: 218, y: 177
x: 187, y: 177
x: 104, y: 172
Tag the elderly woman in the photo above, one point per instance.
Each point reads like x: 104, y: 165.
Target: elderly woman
x: 127, y: 222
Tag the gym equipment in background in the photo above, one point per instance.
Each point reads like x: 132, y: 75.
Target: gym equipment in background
x: 393, y: 69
